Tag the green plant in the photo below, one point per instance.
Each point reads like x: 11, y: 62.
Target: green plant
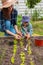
x: 12, y: 60
x: 1, y: 33
x: 22, y: 64
x: 19, y: 20
x: 32, y: 63
x: 21, y: 44
x: 29, y: 50
x: 35, y: 15
x: 15, y: 41
x: 29, y: 53
x: 32, y: 3
x: 41, y: 18
x: 22, y: 55
x: 14, y: 52
x: 15, y: 49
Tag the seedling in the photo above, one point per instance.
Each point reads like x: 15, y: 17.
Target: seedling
x: 29, y: 50
x: 21, y: 44
x: 15, y: 49
x: 22, y: 64
x: 31, y: 63
x: 22, y: 54
x: 22, y: 57
x: 12, y: 60
x: 15, y: 41
x: 14, y: 52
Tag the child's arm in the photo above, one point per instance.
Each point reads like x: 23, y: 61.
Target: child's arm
x: 23, y: 32
x: 30, y: 29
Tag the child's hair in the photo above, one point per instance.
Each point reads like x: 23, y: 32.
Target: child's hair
x: 25, y: 19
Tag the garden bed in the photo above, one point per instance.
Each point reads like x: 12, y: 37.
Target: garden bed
x: 14, y: 54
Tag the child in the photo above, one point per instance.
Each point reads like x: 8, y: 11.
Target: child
x: 26, y: 28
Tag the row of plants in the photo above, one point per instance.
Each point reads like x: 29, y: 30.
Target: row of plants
x: 30, y: 53
x: 22, y: 56
x: 14, y: 52
x: 21, y: 43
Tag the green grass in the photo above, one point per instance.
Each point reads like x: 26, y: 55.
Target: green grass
x: 37, y: 27
x: 1, y: 33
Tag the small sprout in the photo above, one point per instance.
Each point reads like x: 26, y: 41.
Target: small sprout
x: 29, y: 50
x: 22, y: 54
x: 23, y: 61
x: 22, y: 57
x: 31, y: 63
x: 14, y: 52
x: 15, y: 41
x: 21, y: 43
x: 15, y: 49
x: 22, y: 64
x: 12, y: 60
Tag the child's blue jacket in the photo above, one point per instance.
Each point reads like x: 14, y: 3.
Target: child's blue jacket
x: 29, y: 29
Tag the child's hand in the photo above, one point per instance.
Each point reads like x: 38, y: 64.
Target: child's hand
x: 17, y: 36
x: 19, y: 33
x: 27, y: 36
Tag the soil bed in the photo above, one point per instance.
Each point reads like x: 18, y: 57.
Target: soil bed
x: 6, y: 52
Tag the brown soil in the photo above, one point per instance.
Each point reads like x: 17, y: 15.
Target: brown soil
x: 6, y: 52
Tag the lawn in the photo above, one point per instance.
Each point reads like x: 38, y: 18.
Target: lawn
x: 37, y: 27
